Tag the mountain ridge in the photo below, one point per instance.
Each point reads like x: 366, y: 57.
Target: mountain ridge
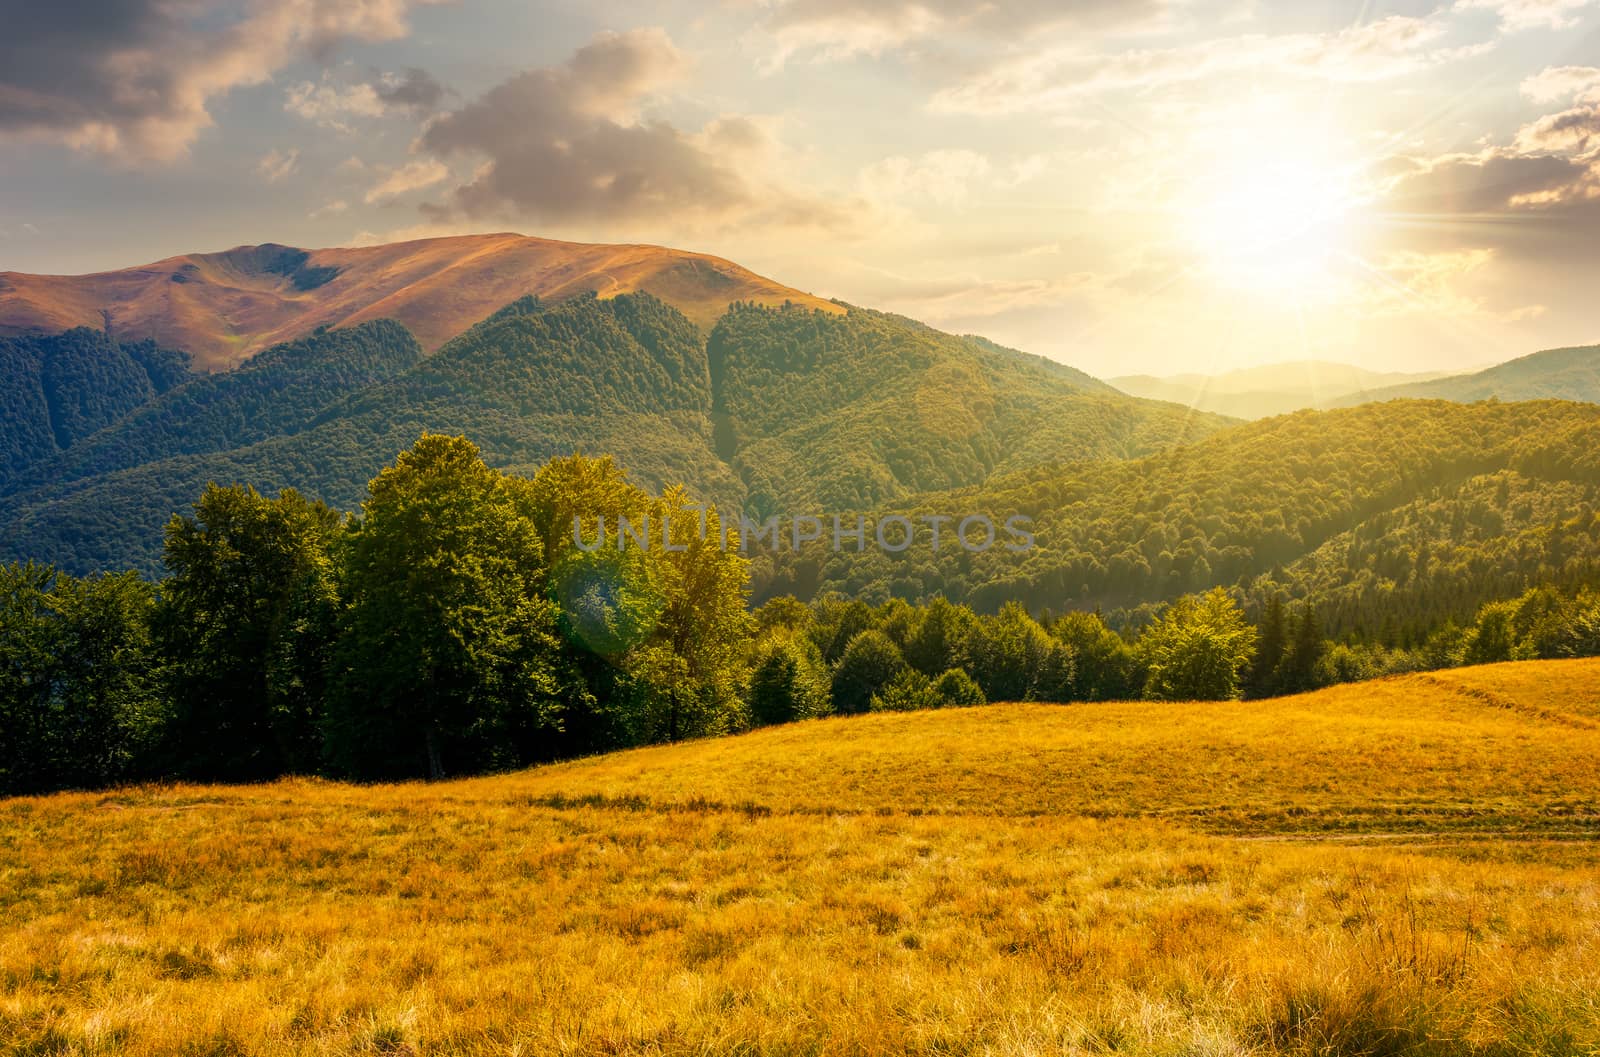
x: 222, y: 308
x: 1569, y: 373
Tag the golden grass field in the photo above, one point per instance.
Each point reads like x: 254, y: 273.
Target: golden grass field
x: 1403, y: 867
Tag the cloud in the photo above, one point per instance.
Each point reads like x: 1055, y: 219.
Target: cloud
x: 331, y: 102
x: 1564, y: 82
x: 135, y: 78
x: 837, y: 29
x: 1057, y: 78
x: 574, y: 143
x: 275, y: 165
x: 413, y: 176
x: 338, y: 205
x: 413, y: 89
x: 1517, y: 15
x: 941, y: 177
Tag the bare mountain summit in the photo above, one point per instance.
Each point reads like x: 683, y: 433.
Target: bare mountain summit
x: 222, y: 308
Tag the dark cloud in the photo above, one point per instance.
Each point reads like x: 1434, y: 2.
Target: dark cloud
x: 1484, y: 185
x: 135, y: 77
x: 569, y: 143
x: 413, y: 89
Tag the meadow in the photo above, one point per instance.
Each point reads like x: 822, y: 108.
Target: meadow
x: 1400, y: 867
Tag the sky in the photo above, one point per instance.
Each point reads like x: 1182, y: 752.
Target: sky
x: 1128, y: 186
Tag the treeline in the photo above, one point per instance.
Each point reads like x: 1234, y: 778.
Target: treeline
x: 455, y: 626
x: 451, y: 627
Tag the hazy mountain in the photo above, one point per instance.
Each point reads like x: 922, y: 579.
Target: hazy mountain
x: 1273, y: 389
x: 1555, y: 374
x: 224, y: 307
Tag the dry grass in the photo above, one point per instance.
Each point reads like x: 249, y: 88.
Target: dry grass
x: 875, y: 885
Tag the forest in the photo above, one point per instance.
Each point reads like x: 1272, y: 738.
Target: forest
x: 1391, y: 519
x: 779, y: 406
x: 453, y: 626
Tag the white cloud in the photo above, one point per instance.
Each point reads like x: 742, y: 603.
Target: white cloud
x: 1517, y: 15
x: 941, y: 177
x: 275, y: 165
x: 329, y: 104
x: 1564, y: 82
x: 338, y: 205
x: 413, y: 176
x: 1058, y: 78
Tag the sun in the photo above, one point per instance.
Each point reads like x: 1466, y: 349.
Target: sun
x: 1277, y: 227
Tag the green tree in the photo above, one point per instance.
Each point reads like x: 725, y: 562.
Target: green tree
x: 869, y: 664
x: 1272, y: 641
x: 77, y: 703
x: 956, y: 689
x: 941, y: 637
x: 1013, y: 658
x: 1297, y: 671
x: 448, y: 658
x: 1198, y: 650
x: 1105, y: 668
x: 787, y: 680
x: 245, y: 623
x: 908, y: 691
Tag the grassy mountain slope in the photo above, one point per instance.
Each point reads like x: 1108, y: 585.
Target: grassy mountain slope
x: 1555, y: 374
x: 1253, y: 501
x: 225, y: 307
x: 1274, y: 389
x: 1016, y: 879
x: 810, y: 408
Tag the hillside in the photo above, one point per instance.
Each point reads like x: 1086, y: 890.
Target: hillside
x: 821, y: 411
x: 1555, y: 374
x: 1003, y: 879
x: 1499, y: 748
x: 1273, y: 389
x: 222, y: 308
x: 57, y: 390
x: 1429, y: 507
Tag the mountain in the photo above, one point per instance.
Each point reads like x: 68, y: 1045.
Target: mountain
x: 1555, y: 374
x: 222, y: 308
x: 793, y: 408
x: 1420, y: 510
x: 1272, y: 389
x: 56, y: 390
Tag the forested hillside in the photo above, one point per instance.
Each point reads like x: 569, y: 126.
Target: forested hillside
x: 813, y: 411
x: 1555, y: 374
x: 826, y: 413
x: 276, y: 394
x: 1405, y: 511
x: 57, y: 390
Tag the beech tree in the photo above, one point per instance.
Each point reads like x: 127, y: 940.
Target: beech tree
x: 449, y: 645
x: 1198, y: 650
x: 246, y: 619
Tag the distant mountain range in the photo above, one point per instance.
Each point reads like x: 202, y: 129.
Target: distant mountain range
x: 1273, y: 389
x: 222, y: 308
x: 1555, y: 374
